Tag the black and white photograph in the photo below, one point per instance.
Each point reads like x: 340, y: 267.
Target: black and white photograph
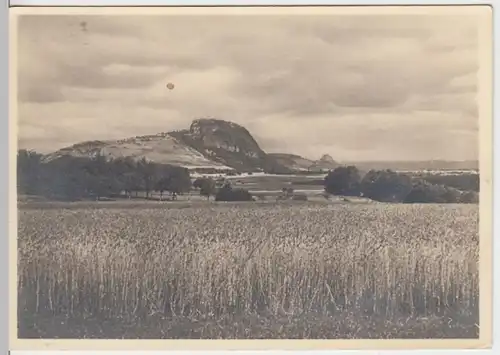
x: 294, y: 173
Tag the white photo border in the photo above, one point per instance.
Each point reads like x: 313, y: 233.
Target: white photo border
x: 5, y: 157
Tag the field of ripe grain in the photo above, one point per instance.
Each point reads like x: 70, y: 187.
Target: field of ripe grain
x: 249, y: 271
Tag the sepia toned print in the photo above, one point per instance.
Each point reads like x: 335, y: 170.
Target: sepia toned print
x: 253, y: 175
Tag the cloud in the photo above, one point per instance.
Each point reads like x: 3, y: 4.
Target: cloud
x: 356, y: 87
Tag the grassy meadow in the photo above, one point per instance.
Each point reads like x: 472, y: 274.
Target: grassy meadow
x: 248, y: 270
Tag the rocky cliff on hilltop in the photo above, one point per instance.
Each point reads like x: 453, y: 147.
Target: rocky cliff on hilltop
x: 229, y: 144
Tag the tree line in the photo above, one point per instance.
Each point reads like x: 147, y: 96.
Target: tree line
x: 390, y: 186
x: 98, y: 177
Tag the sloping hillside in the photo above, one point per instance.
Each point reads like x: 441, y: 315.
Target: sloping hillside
x: 161, y: 148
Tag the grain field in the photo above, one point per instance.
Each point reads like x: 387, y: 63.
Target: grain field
x: 249, y: 271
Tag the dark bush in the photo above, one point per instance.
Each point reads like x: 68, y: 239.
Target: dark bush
x: 227, y: 193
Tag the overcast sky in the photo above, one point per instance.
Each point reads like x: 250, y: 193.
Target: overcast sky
x: 355, y: 87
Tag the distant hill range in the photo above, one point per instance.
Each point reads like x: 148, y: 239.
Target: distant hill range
x: 221, y: 145
x: 298, y: 163
x: 429, y: 165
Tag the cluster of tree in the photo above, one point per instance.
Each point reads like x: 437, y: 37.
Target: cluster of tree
x: 97, y: 177
x: 207, y: 186
x: 343, y: 181
x: 425, y: 192
x: 221, y: 190
x: 390, y: 186
x: 28, y: 171
x: 386, y: 185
